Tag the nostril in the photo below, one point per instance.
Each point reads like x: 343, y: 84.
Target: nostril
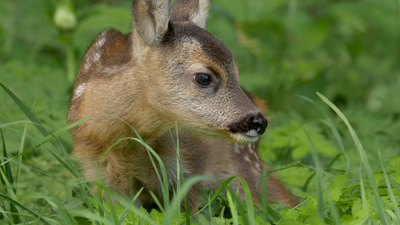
x: 251, y: 125
x: 259, y: 124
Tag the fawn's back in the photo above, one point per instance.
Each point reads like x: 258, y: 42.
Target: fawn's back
x: 168, y: 71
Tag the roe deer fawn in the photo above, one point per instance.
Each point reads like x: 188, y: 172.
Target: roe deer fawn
x: 168, y: 70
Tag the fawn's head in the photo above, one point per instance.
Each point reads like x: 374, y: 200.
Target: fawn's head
x: 191, y: 76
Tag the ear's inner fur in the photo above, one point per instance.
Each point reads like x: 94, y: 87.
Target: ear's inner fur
x: 150, y: 19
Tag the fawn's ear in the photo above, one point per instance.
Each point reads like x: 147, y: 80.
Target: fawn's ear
x: 150, y: 19
x: 195, y: 11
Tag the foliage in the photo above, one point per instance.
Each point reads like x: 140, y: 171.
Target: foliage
x: 286, y: 51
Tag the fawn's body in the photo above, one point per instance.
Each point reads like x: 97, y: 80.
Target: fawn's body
x: 169, y: 69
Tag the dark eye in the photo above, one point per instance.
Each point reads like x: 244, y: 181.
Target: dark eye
x: 202, y: 79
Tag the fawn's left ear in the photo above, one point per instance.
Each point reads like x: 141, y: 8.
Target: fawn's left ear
x: 195, y: 11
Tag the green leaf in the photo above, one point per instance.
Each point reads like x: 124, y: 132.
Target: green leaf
x: 357, y: 210
x: 157, y: 216
x: 336, y: 186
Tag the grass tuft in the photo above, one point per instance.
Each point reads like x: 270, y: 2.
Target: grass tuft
x: 364, y: 161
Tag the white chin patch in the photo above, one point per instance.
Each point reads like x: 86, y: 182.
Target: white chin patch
x: 244, y: 138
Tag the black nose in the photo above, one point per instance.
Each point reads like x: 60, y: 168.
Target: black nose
x: 259, y: 124
x: 251, y: 124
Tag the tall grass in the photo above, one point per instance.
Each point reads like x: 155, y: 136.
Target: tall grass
x: 365, y: 163
x: 100, y: 207
x: 98, y: 210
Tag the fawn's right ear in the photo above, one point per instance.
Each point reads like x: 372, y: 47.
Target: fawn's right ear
x: 195, y: 11
x: 150, y: 19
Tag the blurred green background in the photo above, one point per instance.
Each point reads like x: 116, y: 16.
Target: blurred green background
x: 347, y: 50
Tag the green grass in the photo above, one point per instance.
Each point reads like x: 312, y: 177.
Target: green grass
x: 97, y: 210
x: 340, y: 156
x: 335, y: 192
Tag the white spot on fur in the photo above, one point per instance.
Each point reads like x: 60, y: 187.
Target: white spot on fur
x: 102, y: 40
x: 97, y: 56
x: 236, y: 148
x: 86, y: 64
x: 113, y: 69
x: 255, y: 155
x: 93, y: 57
x: 79, y: 90
x: 258, y: 166
x: 250, y: 147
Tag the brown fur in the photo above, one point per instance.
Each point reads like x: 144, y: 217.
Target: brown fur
x: 146, y: 79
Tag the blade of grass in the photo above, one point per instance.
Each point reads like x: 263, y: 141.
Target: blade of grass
x: 21, y: 148
x: 320, y: 197
x: 48, y: 138
x: 267, y: 211
x: 364, y: 201
x: 7, y: 179
x: 56, y: 205
x: 92, y: 216
x: 334, y: 213
x: 247, y: 211
x: 390, y: 191
x: 329, y: 123
x: 364, y: 160
x: 126, y: 210
x: 232, y: 206
x: 216, y: 193
x: 395, y: 219
x: 163, y: 178
x: 272, y: 214
x: 44, y: 132
x: 330, y: 164
x: 308, y: 181
x: 7, y: 198
x: 116, y: 196
x: 68, y: 165
x: 179, y: 196
x: 28, y: 113
x: 264, y: 201
x: 112, y: 212
x: 13, y: 208
x: 179, y: 172
x: 5, y: 215
x: 13, y: 123
x: 295, y: 208
x: 157, y: 201
x: 6, y: 166
x: 42, y: 213
x: 249, y: 201
x: 131, y: 207
x: 101, y: 203
x: 42, y: 173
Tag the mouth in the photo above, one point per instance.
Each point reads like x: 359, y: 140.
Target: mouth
x: 245, y: 138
